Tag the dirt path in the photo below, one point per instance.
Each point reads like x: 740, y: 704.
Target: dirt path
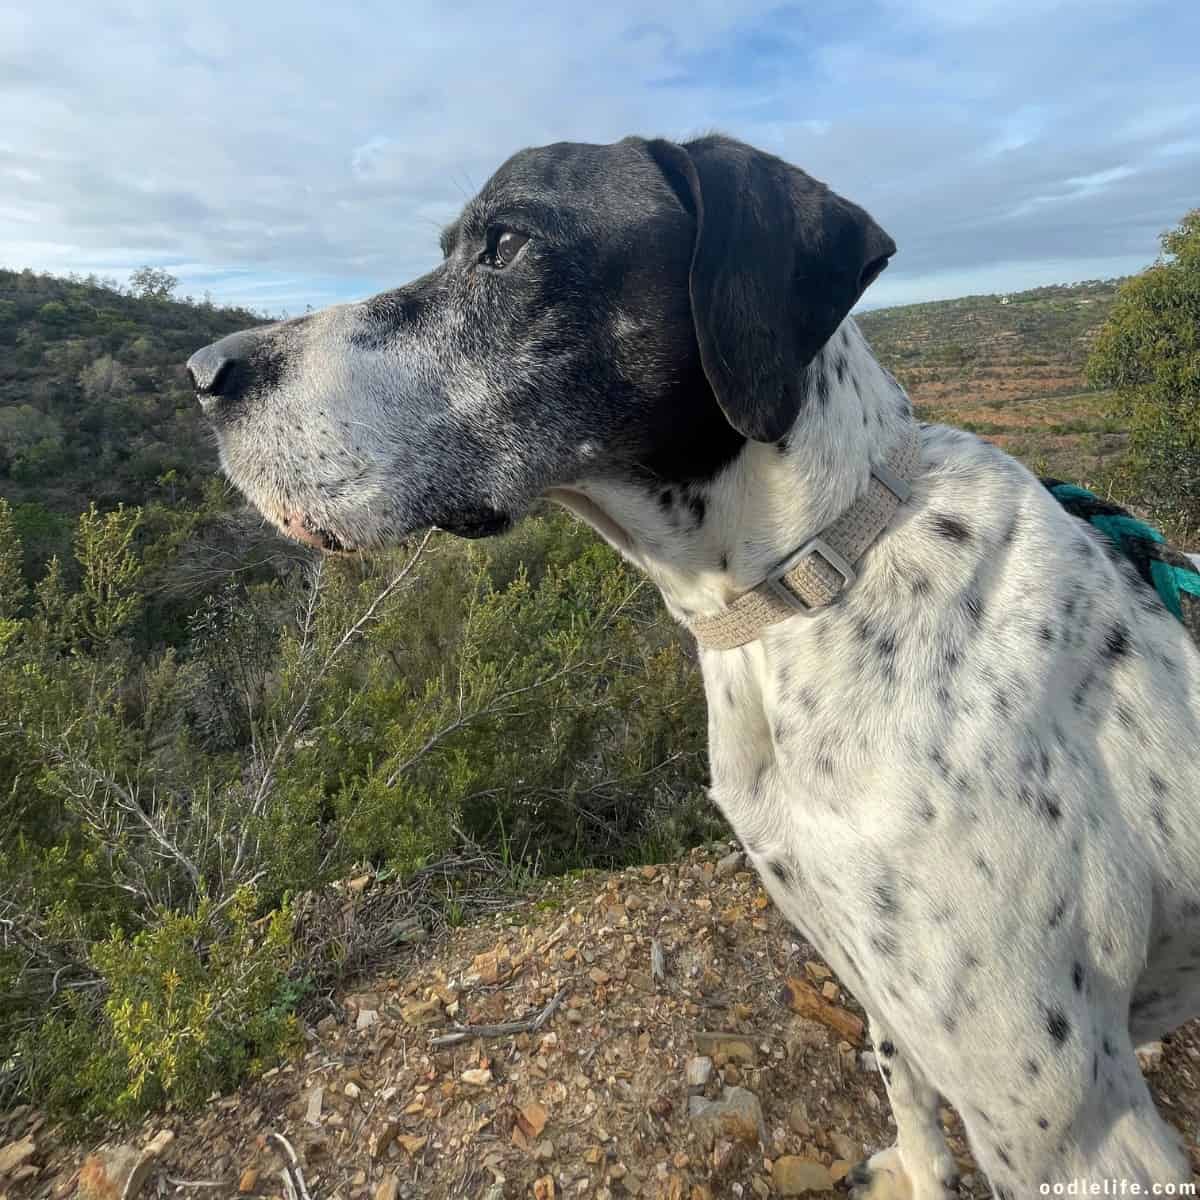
x: 672, y: 1065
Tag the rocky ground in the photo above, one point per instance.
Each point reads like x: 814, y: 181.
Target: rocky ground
x: 667, y: 1037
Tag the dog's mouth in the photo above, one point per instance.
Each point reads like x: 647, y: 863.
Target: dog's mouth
x: 302, y: 528
x: 477, y: 523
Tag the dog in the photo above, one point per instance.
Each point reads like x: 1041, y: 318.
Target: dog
x: 968, y: 774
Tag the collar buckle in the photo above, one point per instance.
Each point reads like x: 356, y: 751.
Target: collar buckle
x: 776, y: 581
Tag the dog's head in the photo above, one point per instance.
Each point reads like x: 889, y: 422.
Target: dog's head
x: 633, y: 312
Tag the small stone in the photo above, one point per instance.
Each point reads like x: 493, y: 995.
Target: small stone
x: 794, y: 1176
x: 352, y: 1090
x: 389, y: 1187
x: 574, y: 1016
x: 736, y: 1115
x: 846, y: 1147
x: 117, y: 1174
x: 699, y: 1072
x: 410, y: 1143
x: 489, y: 966
x: 1150, y: 1056
x: 382, y: 1138
x: 642, y: 980
x: 543, y: 1188
x: 366, y: 1018
x: 315, y: 1099
x: 158, y: 1144
x: 839, y: 1169
x: 818, y: 972
x: 248, y: 1181
x: 731, y: 1045
x: 477, y: 1076
x: 532, y: 1119
x: 731, y: 864
x: 16, y: 1154
x: 798, y: 1119
x: 422, y: 1012
x: 356, y: 887
x: 829, y: 990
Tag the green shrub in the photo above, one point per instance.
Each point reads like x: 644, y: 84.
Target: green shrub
x: 528, y: 698
x: 1149, y: 353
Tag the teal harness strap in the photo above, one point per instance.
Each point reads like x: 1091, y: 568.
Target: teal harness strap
x: 1171, y: 575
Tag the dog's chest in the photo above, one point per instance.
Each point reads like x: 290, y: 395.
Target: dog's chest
x: 795, y: 775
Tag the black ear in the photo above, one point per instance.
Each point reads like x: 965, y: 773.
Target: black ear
x: 779, y: 261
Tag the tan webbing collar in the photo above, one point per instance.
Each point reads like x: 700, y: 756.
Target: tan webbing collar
x: 820, y: 570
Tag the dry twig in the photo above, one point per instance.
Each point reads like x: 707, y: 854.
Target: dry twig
x: 463, y: 1033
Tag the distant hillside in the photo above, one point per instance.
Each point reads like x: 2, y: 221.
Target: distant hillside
x: 94, y: 403
x: 1010, y: 346
x: 1011, y: 368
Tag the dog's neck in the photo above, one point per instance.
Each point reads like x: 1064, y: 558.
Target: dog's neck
x: 705, y: 543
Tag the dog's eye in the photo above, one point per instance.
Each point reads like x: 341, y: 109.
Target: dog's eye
x: 503, y: 246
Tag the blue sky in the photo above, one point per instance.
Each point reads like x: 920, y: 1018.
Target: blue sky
x: 284, y: 154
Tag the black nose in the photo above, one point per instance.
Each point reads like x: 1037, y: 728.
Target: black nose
x: 223, y: 368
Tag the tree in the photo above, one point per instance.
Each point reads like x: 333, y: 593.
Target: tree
x: 152, y: 283
x: 1149, y: 353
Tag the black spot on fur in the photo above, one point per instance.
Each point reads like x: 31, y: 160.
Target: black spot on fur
x: 974, y: 606
x: 885, y: 900
x: 724, y: 562
x: 951, y: 528
x: 1116, y: 643
x: 781, y: 871
x: 1049, y: 806
x: 782, y: 445
x: 1077, y: 976
x: 1032, y: 1069
x: 1060, y: 911
x: 1058, y: 1025
x: 887, y: 1049
x: 886, y: 1072
x: 699, y: 507
x: 822, y: 385
x: 666, y: 499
